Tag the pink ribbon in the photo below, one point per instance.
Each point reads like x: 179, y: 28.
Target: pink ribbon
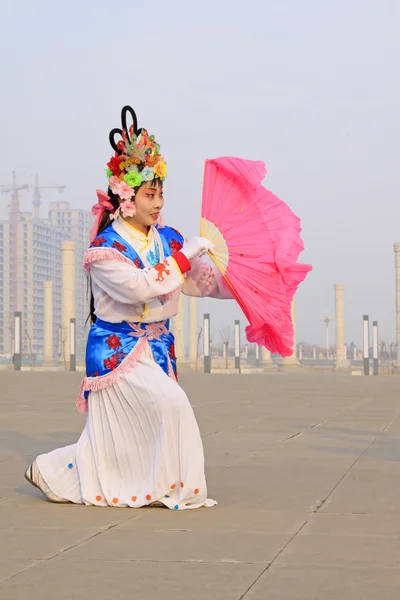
x: 98, y: 212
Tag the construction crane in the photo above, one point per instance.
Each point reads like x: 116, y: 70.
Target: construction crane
x: 15, y: 259
x: 14, y: 189
x: 36, y: 195
x: 16, y: 250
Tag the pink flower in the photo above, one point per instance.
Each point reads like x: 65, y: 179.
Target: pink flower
x: 128, y: 209
x: 124, y: 191
x: 161, y: 222
x: 113, y: 181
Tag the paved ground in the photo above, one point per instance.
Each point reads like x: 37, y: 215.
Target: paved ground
x: 306, y: 469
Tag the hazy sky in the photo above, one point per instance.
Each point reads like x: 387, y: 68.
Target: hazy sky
x: 309, y: 86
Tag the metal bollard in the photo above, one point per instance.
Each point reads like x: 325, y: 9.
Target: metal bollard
x: 206, y: 343
x: 366, y: 344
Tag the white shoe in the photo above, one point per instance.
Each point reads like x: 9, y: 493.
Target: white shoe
x: 32, y: 474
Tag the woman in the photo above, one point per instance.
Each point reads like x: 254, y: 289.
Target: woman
x: 141, y: 444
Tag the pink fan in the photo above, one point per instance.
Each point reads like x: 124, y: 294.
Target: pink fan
x: 257, y: 242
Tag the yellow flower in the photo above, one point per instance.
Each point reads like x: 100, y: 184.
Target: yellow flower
x: 160, y: 169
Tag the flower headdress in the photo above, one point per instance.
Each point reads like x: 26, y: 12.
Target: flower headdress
x: 137, y: 158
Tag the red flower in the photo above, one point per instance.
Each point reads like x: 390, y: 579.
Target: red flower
x: 99, y: 241
x: 175, y: 246
x: 112, y: 362
x: 138, y: 263
x: 113, y: 341
x: 171, y: 352
x: 115, y: 359
x: 114, y: 163
x: 119, y: 247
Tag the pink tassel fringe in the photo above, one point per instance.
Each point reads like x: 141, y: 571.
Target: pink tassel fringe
x: 95, y: 384
x: 94, y: 254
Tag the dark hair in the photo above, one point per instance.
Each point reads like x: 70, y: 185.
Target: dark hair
x: 104, y: 223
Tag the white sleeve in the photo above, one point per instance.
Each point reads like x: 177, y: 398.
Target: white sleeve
x: 204, y: 280
x: 127, y: 284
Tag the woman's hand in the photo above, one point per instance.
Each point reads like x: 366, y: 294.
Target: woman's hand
x: 197, y: 246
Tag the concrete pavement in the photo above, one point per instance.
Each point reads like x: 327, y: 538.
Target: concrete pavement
x: 305, y: 467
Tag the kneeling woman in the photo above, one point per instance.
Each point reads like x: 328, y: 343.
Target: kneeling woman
x: 141, y: 444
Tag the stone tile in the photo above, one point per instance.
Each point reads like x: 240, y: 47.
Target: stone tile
x: 284, y: 444
x: 25, y: 544
x: 326, y: 583
x: 367, y: 525
x: 83, y: 579
x: 9, y: 567
x: 370, y: 487
x: 227, y: 447
x: 223, y: 519
x: 181, y: 546
x: 345, y: 551
x: 283, y: 487
x: 12, y: 472
x: 38, y: 513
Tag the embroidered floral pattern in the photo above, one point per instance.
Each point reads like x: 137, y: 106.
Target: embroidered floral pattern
x: 162, y: 269
x: 175, y: 245
x: 151, y: 331
x: 171, y: 352
x: 119, y: 247
x: 99, y: 241
x: 114, y: 360
x: 206, y: 282
x: 113, y: 341
x: 153, y: 256
x: 138, y: 263
x: 165, y: 298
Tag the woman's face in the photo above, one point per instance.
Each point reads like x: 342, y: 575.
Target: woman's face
x: 149, y: 201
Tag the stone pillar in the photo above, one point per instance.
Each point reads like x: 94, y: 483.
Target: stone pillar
x: 193, y: 332
x: 178, y: 329
x: 397, y: 265
x: 48, y: 323
x: 291, y: 362
x: 19, y: 270
x: 68, y: 295
x: 341, y: 362
x: 266, y: 361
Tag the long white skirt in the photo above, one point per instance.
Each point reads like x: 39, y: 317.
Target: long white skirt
x: 141, y: 444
